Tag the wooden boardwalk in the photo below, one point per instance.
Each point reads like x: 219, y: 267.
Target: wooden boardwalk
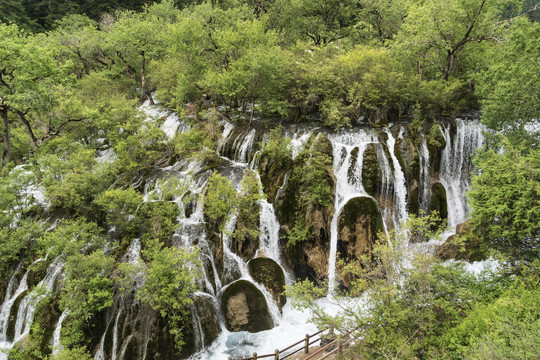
x: 310, y: 348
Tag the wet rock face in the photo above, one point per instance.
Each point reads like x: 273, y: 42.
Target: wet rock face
x: 358, y: 225
x: 268, y: 273
x: 245, y: 308
x: 202, y: 326
x: 438, y: 200
x: 139, y: 330
x: 245, y: 245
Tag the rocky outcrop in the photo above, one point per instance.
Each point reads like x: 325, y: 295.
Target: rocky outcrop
x: 463, y: 245
x: 245, y: 308
x: 296, y: 207
x: 204, y: 326
x: 435, y: 143
x: 359, y: 223
x: 268, y: 273
x: 438, y: 200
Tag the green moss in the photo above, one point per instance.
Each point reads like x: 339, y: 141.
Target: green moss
x: 361, y: 206
x: 371, y: 175
x: 267, y: 272
x: 438, y: 200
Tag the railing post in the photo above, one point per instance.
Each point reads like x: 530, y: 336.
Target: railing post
x: 306, y: 344
x: 276, y: 356
x: 254, y: 356
x: 340, y: 345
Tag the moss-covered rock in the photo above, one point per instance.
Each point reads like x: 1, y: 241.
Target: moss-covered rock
x: 438, y: 200
x: 407, y: 155
x: 371, y: 173
x: 463, y: 245
x: 358, y: 225
x: 13, y: 314
x: 244, y: 244
x: 245, y: 308
x: 268, y: 273
x: 413, y: 197
x: 306, y: 202
x: 435, y: 143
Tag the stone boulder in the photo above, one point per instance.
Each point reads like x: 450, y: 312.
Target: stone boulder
x: 358, y: 225
x: 268, y: 273
x: 245, y: 308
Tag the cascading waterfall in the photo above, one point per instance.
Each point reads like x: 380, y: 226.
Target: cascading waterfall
x: 425, y: 179
x: 400, y: 190
x: 26, y: 306
x: 456, y: 166
x: 348, y: 156
x: 348, y: 184
x: 56, y: 346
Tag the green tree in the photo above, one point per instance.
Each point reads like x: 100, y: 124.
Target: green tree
x: 509, y: 88
x: 219, y: 201
x: 169, y: 283
x: 247, y: 223
x: 504, y: 201
x: 120, y: 208
x: 437, y: 35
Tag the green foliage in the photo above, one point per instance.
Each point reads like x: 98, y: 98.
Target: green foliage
x: 436, y: 36
x: 120, y: 207
x: 159, y: 219
x: 74, y: 353
x: 313, y: 176
x: 72, y: 179
x: 70, y: 237
x: 88, y: 289
x: 169, y: 282
x: 199, y: 142
x: 509, y: 87
x: 278, y: 147
x: 248, y: 199
x: 219, y: 200
x: 17, y: 243
x: 408, y: 301
x: 141, y: 150
x: 506, y: 328
x: 504, y: 201
x: 299, y: 233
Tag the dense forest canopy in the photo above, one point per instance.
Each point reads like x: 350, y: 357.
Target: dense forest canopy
x: 74, y: 73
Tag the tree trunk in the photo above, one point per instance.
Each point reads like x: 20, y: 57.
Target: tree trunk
x: 6, y: 157
x: 145, y: 92
x: 28, y: 128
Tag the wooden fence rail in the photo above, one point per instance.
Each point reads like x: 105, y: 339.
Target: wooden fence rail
x: 341, y: 342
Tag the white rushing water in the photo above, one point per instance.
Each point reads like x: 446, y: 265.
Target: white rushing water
x: 456, y: 166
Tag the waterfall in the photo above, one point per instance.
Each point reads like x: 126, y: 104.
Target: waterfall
x: 348, y: 173
x: 400, y: 190
x: 27, y: 305
x: 425, y: 178
x: 56, y: 346
x: 11, y: 296
x: 456, y: 166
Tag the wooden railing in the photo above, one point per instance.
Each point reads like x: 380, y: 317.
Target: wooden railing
x: 341, y: 342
